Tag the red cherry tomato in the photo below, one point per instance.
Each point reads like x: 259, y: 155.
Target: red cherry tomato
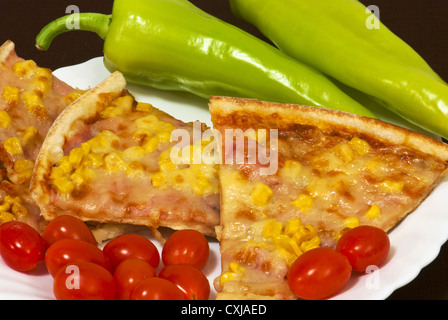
x: 319, y: 273
x: 128, y: 273
x: 67, y: 227
x: 131, y: 246
x: 66, y: 251
x: 21, y: 246
x: 364, y: 246
x: 82, y: 280
x: 193, y: 283
x: 186, y: 247
x: 156, y: 289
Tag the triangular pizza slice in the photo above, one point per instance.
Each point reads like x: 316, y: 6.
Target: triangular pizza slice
x: 110, y: 159
x: 302, y: 177
x: 31, y: 98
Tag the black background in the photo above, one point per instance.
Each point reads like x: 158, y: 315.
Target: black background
x: 421, y: 23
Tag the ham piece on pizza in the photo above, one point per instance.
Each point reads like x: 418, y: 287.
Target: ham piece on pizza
x: 107, y: 159
x: 333, y: 171
x: 31, y: 98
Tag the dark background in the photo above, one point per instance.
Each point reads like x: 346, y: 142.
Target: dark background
x: 421, y: 23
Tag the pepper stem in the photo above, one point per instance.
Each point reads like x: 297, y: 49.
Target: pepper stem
x: 94, y: 22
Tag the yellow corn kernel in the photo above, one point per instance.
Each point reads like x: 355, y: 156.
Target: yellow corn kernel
x: 166, y: 165
x: 158, y: 179
x: 75, y: 157
x: 63, y: 185
x: 77, y: 178
x: 114, y: 162
x: 303, y: 202
x: 5, y: 119
x: 30, y: 133
x: 272, y: 229
x: 288, y: 244
x: 392, y: 186
x: 351, y: 222
x: 145, y: 107
x: 201, y: 186
x: 65, y: 165
x: 11, y: 94
x: 291, y: 169
x: 151, y: 144
x: 34, y: 104
x: 5, y: 207
x: 86, y: 148
x: 6, y: 217
x: 346, y: 152
x: 105, y: 142
x: 23, y: 165
x: 43, y: 80
x: 10, y: 200
x: 13, y: 146
x: 19, y: 210
x: 56, y: 172
x: 164, y: 136
x: 310, y: 244
x: 261, y: 194
x: 292, y: 226
x: 287, y: 255
x: 235, y: 273
x: 134, y: 153
x: 25, y: 69
x: 95, y: 159
x: 359, y: 145
x: 373, y: 212
x: 73, y: 96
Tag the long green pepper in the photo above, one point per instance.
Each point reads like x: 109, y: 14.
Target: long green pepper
x: 333, y: 37
x: 173, y: 45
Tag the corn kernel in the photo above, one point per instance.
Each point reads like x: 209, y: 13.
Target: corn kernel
x: 10, y: 200
x: 291, y: 169
x: 235, y: 273
x: 30, y: 133
x: 303, y: 202
x: 63, y: 185
x: 272, y: 229
x: 77, y: 178
x: 56, y: 172
x: 5, y: 119
x: 19, y: 210
x: 104, y: 142
x: 351, y: 222
x: 95, y: 159
x: 73, y: 96
x: 34, y: 104
x: 25, y: 69
x: 292, y: 226
x: 11, y: 94
x: 151, y: 144
x: 361, y: 146
x: 145, y: 107
x: 164, y: 136
x: 75, y: 157
x: 6, y: 217
x: 124, y: 103
x: 346, y: 152
x: 65, y: 165
x: 261, y: 194
x: 166, y: 165
x: 134, y: 153
x: 23, y: 165
x: 158, y: 179
x: 13, y: 146
x: 43, y: 80
x: 114, y: 162
x: 373, y: 212
x: 310, y: 244
x: 392, y: 186
x: 5, y: 207
x: 201, y: 186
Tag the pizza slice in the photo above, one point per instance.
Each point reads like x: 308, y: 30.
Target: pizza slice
x: 300, y: 178
x: 109, y: 159
x: 31, y: 98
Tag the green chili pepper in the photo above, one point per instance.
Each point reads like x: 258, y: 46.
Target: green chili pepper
x: 173, y: 45
x: 334, y: 37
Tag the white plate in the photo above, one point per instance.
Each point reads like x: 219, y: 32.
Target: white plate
x: 415, y: 242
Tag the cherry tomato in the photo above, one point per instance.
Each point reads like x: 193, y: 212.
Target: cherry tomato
x: 186, y: 247
x: 21, y: 246
x: 364, y: 246
x: 82, y: 280
x: 66, y: 251
x: 67, y: 227
x: 193, y: 283
x: 129, y: 246
x: 318, y: 273
x: 128, y: 273
x: 156, y: 289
